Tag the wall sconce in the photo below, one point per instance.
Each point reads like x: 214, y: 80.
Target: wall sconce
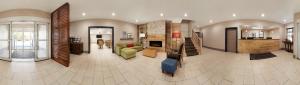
x: 142, y: 35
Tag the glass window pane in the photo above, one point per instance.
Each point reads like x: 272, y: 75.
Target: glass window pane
x: 4, y: 50
x: 42, y: 32
x: 42, y: 50
x: 4, y: 32
x: 4, y: 46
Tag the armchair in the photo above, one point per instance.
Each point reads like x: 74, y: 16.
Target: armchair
x: 177, y: 55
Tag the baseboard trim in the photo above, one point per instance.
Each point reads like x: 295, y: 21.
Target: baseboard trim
x: 214, y: 48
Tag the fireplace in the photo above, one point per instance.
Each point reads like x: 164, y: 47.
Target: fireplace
x: 155, y: 43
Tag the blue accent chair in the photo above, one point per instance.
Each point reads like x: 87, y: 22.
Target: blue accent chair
x: 169, y: 66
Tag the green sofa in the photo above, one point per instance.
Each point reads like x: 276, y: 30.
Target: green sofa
x: 120, y: 46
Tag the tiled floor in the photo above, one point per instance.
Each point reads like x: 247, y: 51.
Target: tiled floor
x: 104, y: 68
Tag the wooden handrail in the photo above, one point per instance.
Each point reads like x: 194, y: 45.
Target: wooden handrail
x: 197, y: 41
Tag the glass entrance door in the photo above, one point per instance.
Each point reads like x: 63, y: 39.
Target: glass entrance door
x: 22, y: 40
x: 4, y: 42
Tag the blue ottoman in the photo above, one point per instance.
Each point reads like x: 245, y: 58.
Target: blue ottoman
x: 169, y: 66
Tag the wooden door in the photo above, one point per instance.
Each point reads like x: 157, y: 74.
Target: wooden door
x: 60, y: 24
x: 231, y: 40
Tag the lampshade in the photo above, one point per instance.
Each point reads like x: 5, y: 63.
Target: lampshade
x: 142, y: 35
x: 176, y: 35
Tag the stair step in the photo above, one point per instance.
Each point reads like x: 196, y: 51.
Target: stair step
x: 188, y: 41
x: 192, y: 54
x: 190, y: 47
x: 191, y: 50
x: 189, y: 44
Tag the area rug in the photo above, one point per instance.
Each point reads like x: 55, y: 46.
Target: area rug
x: 23, y: 54
x: 259, y: 56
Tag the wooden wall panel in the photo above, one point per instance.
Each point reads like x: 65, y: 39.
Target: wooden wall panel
x: 60, y: 26
x: 168, y: 36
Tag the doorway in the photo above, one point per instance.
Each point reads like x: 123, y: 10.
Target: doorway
x: 231, y: 36
x: 101, y: 38
x: 24, y: 40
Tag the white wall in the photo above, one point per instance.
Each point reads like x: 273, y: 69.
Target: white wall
x: 275, y: 34
x: 80, y: 29
x: 185, y: 29
x: 296, y: 34
x: 106, y: 34
x: 214, y: 35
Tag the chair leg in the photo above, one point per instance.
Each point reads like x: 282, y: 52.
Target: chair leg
x: 180, y: 64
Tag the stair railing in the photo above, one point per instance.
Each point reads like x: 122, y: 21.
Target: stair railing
x: 197, y: 41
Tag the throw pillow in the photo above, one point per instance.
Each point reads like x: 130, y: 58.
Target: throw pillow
x: 130, y: 45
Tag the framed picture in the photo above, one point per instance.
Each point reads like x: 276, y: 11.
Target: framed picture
x: 129, y: 35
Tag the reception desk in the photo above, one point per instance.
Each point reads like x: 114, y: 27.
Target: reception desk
x: 258, y: 45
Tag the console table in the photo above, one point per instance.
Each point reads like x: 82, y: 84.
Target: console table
x: 76, y: 48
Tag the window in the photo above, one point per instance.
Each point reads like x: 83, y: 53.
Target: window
x: 290, y: 34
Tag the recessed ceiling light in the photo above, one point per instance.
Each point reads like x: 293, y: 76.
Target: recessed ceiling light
x: 185, y: 14
x: 234, y: 15
x: 284, y: 20
x: 136, y: 20
x: 161, y: 14
x: 113, y: 14
x: 198, y: 26
x: 263, y: 15
x: 211, y: 21
x: 83, y: 14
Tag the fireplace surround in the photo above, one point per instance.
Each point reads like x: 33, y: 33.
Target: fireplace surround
x: 156, y: 42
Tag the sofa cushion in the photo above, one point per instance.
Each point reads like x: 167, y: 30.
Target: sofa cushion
x: 122, y: 45
x: 137, y: 44
x: 128, y: 51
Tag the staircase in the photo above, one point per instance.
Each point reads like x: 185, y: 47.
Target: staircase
x: 190, y: 48
x: 199, y: 34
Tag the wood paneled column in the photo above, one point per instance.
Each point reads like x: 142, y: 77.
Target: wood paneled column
x: 60, y: 26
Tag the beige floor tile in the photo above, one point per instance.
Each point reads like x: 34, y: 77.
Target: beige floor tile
x: 101, y: 67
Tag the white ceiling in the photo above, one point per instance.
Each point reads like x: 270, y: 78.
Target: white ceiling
x: 201, y: 11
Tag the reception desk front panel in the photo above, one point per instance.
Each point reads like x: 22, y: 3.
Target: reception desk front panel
x: 258, y: 46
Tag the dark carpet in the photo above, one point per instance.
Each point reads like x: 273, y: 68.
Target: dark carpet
x: 23, y: 54
x: 260, y: 56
